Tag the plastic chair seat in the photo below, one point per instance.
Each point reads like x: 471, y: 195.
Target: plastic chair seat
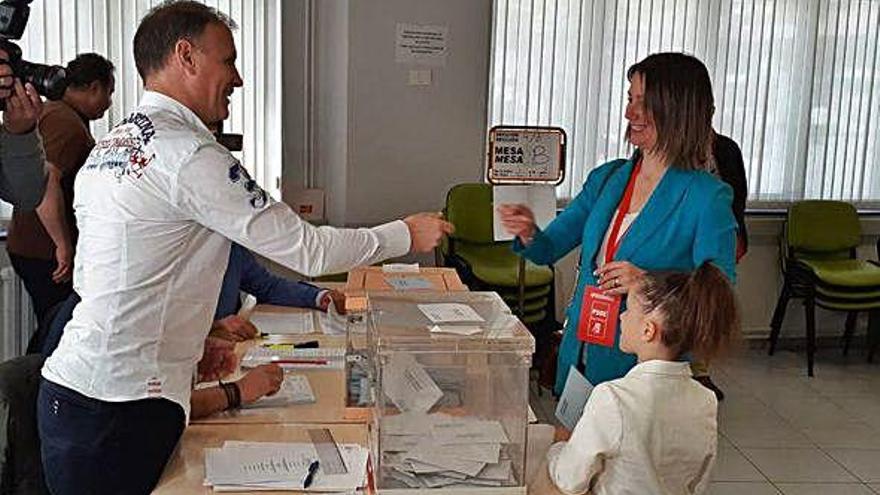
x: 496, y: 264
x: 858, y: 274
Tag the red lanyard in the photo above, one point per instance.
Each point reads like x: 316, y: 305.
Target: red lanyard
x: 622, y: 211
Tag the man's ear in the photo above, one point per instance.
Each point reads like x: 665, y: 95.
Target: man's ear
x: 184, y: 55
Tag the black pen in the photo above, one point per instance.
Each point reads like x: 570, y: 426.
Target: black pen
x: 310, y: 344
x: 310, y: 477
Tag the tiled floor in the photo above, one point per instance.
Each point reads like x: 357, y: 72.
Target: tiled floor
x: 781, y: 432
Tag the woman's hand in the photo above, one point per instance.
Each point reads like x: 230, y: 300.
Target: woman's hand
x: 619, y: 277
x: 519, y: 221
x: 259, y: 382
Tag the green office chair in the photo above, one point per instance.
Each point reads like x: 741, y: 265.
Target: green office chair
x: 484, y: 264
x: 818, y: 256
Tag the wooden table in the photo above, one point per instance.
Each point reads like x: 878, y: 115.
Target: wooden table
x: 185, y: 473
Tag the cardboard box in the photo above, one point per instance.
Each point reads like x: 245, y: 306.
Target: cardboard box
x: 373, y: 278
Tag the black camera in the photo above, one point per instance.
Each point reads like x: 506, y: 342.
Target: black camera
x: 49, y: 80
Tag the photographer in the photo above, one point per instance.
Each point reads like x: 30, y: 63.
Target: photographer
x: 22, y: 176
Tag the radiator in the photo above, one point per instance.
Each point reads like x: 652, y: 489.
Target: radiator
x: 19, y: 321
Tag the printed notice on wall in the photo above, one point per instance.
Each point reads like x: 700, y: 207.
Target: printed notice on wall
x: 417, y: 44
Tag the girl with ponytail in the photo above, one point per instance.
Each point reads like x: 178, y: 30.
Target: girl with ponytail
x: 654, y: 430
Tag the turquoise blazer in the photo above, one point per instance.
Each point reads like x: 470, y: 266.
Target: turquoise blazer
x: 687, y: 221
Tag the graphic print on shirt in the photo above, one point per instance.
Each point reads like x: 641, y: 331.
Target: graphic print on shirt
x: 258, y: 197
x: 122, y: 150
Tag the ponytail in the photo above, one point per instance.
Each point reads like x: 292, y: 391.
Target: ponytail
x: 699, y: 310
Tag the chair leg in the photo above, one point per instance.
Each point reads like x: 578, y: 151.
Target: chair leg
x: 873, y: 333
x: 778, y: 317
x: 810, y: 313
x: 849, y: 330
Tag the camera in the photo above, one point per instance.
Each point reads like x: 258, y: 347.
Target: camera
x: 49, y: 80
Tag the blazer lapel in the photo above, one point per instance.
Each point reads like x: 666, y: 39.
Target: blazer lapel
x: 656, y: 212
x: 603, y: 210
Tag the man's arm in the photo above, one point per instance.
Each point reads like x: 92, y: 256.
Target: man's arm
x: 259, y: 382
x: 52, y: 215
x: 216, y: 191
x: 22, y: 173
x: 269, y: 288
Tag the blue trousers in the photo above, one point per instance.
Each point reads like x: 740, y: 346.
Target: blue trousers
x: 95, y: 447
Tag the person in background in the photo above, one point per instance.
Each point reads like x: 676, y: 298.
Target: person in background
x: 727, y: 164
x: 41, y: 243
x: 654, y: 430
x: 22, y: 160
x: 115, y: 394
x: 659, y: 210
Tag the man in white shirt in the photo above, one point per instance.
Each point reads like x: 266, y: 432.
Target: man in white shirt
x: 158, y: 204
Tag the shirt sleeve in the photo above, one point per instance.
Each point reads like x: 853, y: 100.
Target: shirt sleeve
x: 269, y: 288
x: 216, y: 191
x: 22, y: 171
x: 575, y: 464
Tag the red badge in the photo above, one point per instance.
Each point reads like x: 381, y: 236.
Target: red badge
x: 598, y: 321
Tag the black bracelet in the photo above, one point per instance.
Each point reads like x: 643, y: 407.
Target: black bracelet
x: 233, y: 395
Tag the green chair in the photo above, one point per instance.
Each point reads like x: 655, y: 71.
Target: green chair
x: 819, y: 265
x: 484, y: 264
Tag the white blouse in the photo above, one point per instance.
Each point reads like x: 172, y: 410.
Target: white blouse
x: 652, y: 431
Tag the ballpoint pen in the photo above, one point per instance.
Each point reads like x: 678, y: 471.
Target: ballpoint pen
x: 310, y: 477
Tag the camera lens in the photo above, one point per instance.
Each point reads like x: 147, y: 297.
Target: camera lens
x: 49, y: 80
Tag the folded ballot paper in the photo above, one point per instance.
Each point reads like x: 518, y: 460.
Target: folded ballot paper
x: 261, y: 466
x: 438, y: 450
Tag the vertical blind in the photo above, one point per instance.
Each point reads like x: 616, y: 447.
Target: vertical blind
x: 796, y: 82
x: 60, y: 29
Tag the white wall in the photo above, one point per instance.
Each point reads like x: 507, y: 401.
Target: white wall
x: 398, y: 148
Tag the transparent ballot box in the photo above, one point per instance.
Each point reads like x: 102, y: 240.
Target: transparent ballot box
x: 451, y: 398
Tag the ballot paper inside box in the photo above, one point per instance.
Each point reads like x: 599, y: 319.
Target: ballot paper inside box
x: 451, y: 408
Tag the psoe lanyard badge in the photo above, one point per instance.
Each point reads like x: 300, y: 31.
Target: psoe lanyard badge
x: 598, y: 319
x: 599, y: 311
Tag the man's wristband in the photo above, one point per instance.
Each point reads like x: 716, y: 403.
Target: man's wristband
x: 233, y: 395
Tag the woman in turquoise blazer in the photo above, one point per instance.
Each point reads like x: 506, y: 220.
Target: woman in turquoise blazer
x: 684, y: 214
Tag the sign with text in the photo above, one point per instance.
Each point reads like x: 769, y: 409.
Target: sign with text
x: 426, y: 45
x: 526, y: 155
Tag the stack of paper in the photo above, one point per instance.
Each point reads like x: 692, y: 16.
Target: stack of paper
x: 291, y: 357
x: 284, y: 323
x: 247, y: 466
x: 295, y: 389
x: 437, y: 450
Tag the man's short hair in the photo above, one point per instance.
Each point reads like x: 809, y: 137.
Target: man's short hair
x: 87, y: 68
x: 168, y: 23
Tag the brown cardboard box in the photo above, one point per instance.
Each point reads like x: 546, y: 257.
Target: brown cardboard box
x: 372, y: 278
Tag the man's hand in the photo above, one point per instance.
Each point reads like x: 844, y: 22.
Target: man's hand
x: 260, y: 381
x: 233, y: 328
x: 335, y: 297
x: 23, y: 109
x: 518, y: 220
x: 218, y: 360
x: 426, y: 230
x: 64, y: 261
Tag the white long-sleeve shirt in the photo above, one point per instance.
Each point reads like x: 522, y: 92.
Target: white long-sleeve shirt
x: 652, y: 431
x: 157, y: 204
